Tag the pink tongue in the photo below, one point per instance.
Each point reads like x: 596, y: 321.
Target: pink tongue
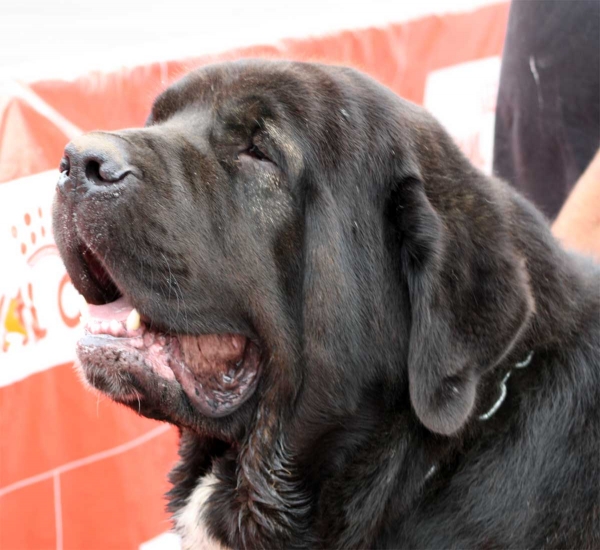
x: 118, y: 310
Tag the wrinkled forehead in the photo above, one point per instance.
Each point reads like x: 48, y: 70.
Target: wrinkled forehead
x: 234, y: 92
x: 240, y: 99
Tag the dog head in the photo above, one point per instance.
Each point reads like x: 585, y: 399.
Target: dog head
x: 300, y: 244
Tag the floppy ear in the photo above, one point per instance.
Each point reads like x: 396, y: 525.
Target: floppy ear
x: 468, y: 288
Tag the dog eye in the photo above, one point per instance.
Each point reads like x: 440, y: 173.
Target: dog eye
x: 256, y: 153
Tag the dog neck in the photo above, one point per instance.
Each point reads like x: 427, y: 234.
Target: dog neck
x: 413, y: 467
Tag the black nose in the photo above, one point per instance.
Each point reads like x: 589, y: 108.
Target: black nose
x: 95, y: 160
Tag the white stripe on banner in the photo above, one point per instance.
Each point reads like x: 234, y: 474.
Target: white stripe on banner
x: 9, y: 88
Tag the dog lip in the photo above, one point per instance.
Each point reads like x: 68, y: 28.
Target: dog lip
x: 217, y: 372
x: 217, y: 381
x: 91, y: 278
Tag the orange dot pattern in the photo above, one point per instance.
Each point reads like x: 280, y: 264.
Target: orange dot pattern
x: 33, y: 235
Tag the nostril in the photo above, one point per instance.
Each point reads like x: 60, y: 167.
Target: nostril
x: 96, y: 161
x: 105, y: 173
x: 65, y: 166
x: 92, y: 172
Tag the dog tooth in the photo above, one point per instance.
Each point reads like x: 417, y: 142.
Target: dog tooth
x: 133, y: 320
x: 115, y: 327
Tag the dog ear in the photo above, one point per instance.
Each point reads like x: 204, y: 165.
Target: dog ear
x: 468, y: 287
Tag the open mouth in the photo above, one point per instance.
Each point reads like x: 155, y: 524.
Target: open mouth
x: 217, y: 372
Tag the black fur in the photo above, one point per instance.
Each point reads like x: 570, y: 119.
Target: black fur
x: 391, y: 286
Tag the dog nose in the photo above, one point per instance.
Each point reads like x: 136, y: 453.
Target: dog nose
x: 94, y: 160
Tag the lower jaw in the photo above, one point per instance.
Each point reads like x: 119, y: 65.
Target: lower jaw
x: 144, y: 366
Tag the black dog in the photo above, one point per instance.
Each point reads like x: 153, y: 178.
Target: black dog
x: 365, y: 342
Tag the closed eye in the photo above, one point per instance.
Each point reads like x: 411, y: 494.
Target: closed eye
x: 254, y: 152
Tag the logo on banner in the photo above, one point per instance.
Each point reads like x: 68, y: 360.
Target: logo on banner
x: 39, y: 307
x: 20, y: 323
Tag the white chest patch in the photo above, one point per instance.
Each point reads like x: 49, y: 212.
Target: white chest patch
x: 189, y: 521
